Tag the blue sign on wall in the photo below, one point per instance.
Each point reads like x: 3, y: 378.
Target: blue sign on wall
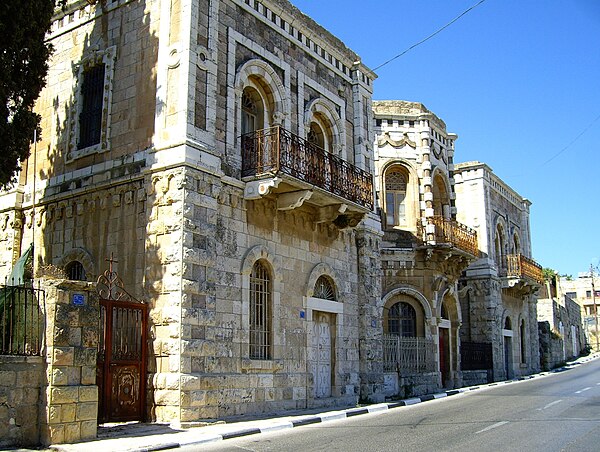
x: 78, y: 299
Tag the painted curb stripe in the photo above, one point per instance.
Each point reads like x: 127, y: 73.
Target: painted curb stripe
x: 250, y: 431
x: 310, y: 420
x: 356, y: 412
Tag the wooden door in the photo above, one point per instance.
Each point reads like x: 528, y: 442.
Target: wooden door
x: 121, y: 371
x: 444, y: 354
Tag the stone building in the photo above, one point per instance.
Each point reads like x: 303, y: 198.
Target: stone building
x: 497, y: 291
x: 585, y: 291
x: 221, y: 150
x: 424, y: 249
x: 561, y: 331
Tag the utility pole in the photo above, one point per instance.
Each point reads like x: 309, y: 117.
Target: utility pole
x: 595, y: 307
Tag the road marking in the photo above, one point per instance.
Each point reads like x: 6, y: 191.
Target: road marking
x: 549, y: 405
x: 583, y: 390
x: 489, y: 427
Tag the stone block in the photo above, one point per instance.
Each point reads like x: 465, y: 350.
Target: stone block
x: 56, y: 434
x: 88, y: 375
x: 75, y: 337
x: 87, y: 411
x: 64, y: 394
x: 72, y: 432
x: 58, y: 376
x: 63, y: 356
x: 88, y: 393
x: 68, y: 411
x: 54, y: 414
x: 166, y: 397
x: 89, y: 430
x: 8, y: 378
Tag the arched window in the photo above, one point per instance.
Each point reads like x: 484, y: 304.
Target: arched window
x: 441, y: 200
x: 252, y: 111
x: 75, y: 271
x: 507, y: 324
x: 260, y: 312
x: 499, y: 246
x: 522, y: 333
x: 516, y: 245
x: 402, y: 320
x: 316, y: 135
x: 395, y: 197
x: 324, y: 288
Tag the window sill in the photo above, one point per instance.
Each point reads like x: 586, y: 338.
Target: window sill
x: 255, y: 366
x: 79, y: 153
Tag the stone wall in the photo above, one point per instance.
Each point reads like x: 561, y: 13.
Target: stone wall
x: 22, y: 382
x: 69, y: 406
x: 402, y: 387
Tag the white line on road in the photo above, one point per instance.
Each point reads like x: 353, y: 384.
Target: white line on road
x: 489, y: 427
x: 549, y: 405
x: 582, y: 390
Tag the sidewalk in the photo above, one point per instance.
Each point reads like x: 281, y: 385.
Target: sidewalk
x: 150, y: 437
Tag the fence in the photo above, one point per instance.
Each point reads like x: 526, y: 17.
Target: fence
x: 21, y: 320
x: 408, y: 355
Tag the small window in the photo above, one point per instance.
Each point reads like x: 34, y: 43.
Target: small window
x: 92, y: 101
x: 402, y: 320
x: 588, y: 294
x: 75, y: 271
x: 260, y: 312
x: 324, y: 288
x: 571, y: 295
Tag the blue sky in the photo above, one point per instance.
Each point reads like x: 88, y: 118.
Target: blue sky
x: 517, y: 80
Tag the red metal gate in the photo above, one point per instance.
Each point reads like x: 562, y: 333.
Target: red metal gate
x: 121, y: 368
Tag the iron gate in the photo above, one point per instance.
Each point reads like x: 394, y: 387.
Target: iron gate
x: 121, y: 369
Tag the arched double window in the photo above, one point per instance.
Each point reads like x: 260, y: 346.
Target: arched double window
x: 261, y: 312
x: 396, y: 180
x: 402, y: 320
x: 499, y: 245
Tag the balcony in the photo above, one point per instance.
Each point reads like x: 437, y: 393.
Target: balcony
x: 276, y: 161
x: 442, y: 231
x: 520, y: 268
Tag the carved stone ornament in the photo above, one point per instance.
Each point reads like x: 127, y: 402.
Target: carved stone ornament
x: 405, y: 140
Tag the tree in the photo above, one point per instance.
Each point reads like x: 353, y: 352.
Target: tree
x: 549, y: 279
x: 24, y: 62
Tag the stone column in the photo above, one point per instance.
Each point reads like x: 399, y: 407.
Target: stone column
x: 70, y: 404
x: 370, y: 311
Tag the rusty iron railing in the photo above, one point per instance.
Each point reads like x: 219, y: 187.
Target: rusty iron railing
x: 519, y: 266
x: 408, y: 355
x: 21, y: 320
x: 276, y: 150
x: 446, y: 231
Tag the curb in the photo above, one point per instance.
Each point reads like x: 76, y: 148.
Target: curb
x: 351, y: 412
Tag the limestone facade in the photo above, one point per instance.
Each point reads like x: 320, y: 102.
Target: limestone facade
x: 424, y: 249
x: 498, y: 291
x: 186, y: 87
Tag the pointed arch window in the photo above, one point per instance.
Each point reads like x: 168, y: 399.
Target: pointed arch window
x: 402, y: 320
x: 395, y: 197
x: 261, y: 308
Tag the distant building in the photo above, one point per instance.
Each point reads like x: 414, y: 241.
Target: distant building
x: 585, y: 291
x: 498, y: 291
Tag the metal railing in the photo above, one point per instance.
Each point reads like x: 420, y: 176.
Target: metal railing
x: 476, y: 355
x: 408, y: 355
x: 277, y: 150
x: 446, y: 231
x: 519, y: 266
x: 21, y: 320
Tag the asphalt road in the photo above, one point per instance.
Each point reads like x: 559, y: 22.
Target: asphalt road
x: 558, y: 412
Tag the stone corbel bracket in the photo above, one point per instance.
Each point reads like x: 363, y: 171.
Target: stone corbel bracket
x: 293, y: 200
x: 256, y: 189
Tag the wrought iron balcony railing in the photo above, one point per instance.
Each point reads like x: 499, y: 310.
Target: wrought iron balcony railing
x: 445, y: 231
x: 278, y: 151
x: 519, y: 266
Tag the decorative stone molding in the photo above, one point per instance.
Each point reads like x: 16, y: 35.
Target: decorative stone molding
x: 92, y: 57
x: 328, y: 110
x: 404, y: 141
x: 413, y: 293
x: 320, y: 270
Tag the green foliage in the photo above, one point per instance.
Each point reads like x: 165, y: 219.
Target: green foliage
x: 549, y: 274
x: 23, y: 59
